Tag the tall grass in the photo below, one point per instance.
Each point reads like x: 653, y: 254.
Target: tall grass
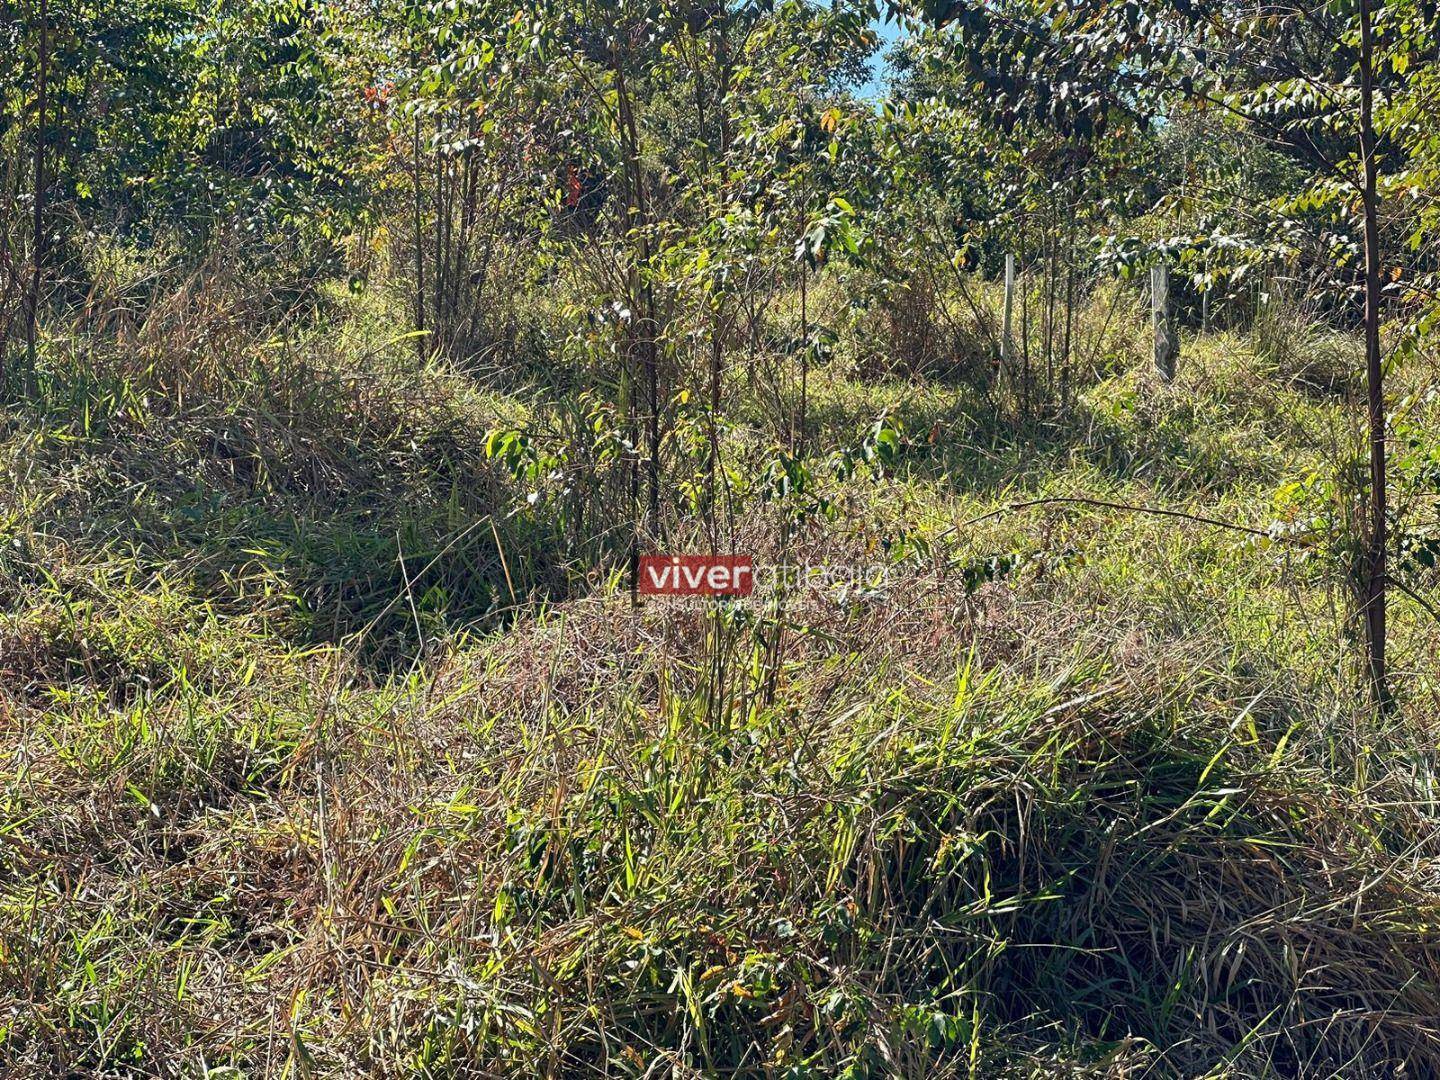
x: 321, y: 758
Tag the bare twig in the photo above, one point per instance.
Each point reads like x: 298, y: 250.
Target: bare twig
x: 1430, y: 608
x: 1127, y: 507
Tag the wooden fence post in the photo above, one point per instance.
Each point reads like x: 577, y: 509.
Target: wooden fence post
x: 1167, y: 339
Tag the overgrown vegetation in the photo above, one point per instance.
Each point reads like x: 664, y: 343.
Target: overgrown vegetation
x: 353, y: 355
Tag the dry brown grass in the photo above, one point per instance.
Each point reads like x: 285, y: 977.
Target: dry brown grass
x: 1080, y: 793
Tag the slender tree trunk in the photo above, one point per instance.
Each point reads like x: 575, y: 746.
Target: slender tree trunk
x: 441, y: 271
x: 799, y: 447
x: 42, y: 78
x: 1066, y: 375
x: 638, y: 217
x: 465, y: 181
x: 1007, y: 318
x: 722, y: 59
x: 1205, y: 301
x: 419, y: 245
x: 1051, y: 242
x: 1024, y: 334
x: 717, y: 361
x: 701, y: 123
x: 1375, y: 570
x: 631, y: 218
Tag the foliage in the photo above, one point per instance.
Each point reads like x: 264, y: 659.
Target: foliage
x: 353, y: 354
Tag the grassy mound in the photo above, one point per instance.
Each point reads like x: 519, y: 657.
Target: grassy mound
x: 317, y: 763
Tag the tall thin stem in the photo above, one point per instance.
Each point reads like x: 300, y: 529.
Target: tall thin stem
x: 1375, y: 577
x: 42, y: 78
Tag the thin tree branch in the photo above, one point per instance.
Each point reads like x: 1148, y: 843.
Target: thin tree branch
x: 1131, y: 508
x: 1413, y: 595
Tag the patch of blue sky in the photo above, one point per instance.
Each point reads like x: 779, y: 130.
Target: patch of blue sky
x: 875, y: 87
